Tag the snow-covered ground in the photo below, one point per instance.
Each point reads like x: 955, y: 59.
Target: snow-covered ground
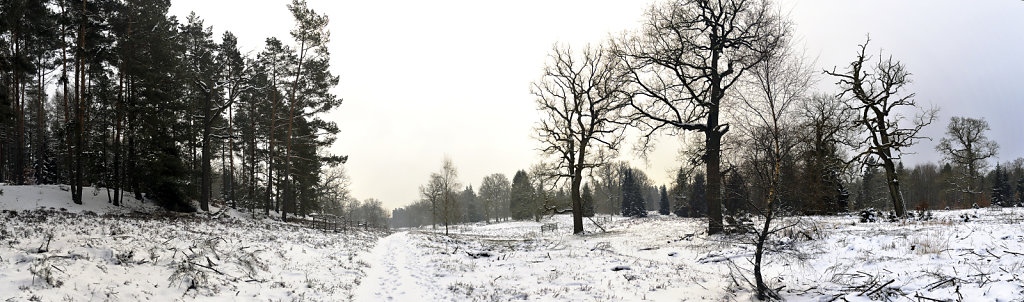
x: 98, y: 252
x: 672, y: 259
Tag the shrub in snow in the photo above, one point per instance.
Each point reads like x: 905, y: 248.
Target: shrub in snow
x: 43, y: 271
x: 251, y: 263
x: 868, y: 216
x: 196, y: 264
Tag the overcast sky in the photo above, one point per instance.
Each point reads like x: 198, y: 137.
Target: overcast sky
x: 426, y: 79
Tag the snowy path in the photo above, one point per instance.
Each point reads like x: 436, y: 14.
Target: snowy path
x: 392, y: 272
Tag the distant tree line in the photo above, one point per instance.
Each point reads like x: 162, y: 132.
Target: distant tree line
x: 120, y: 96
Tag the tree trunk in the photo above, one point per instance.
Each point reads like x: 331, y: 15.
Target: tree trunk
x: 762, y: 289
x: 577, y: 202
x: 231, y: 148
x: 40, y: 131
x: 19, y: 147
x: 574, y: 190
x: 270, y: 143
x: 205, y: 182
x: 76, y: 179
x: 894, y: 187
x: 714, y: 181
x: 288, y: 194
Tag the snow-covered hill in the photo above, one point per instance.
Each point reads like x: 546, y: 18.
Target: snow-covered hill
x: 58, y: 198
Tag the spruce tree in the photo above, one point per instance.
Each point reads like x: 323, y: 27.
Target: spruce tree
x: 680, y: 195
x: 1020, y: 191
x: 663, y: 205
x: 633, y: 204
x: 521, y: 198
x: 1001, y: 188
x: 698, y: 196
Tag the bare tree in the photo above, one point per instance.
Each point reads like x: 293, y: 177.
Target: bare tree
x: 449, y: 184
x: 333, y: 190
x: 433, y: 192
x: 876, y: 94
x: 687, y: 57
x: 494, y: 191
x: 967, y: 148
x: 827, y: 131
x: 580, y: 97
x: 769, y: 94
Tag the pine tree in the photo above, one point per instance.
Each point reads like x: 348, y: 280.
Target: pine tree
x: 663, y: 205
x: 232, y: 73
x: 155, y: 80
x: 205, y: 95
x: 1020, y: 191
x: 309, y: 95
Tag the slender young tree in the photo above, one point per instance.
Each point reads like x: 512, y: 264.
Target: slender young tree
x: 433, y: 193
x: 769, y: 94
x: 449, y: 183
x: 876, y: 93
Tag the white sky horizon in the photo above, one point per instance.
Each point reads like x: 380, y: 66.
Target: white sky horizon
x: 425, y: 79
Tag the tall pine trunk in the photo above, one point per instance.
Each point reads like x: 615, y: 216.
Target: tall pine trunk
x: 288, y: 194
x: 270, y: 144
x: 79, y: 131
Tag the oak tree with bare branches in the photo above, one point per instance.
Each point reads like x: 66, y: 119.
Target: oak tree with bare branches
x: 877, y: 93
x: 686, y: 58
x: 580, y: 97
x: 967, y: 147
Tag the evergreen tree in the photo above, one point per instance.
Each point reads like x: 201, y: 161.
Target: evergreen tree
x: 633, y: 204
x: 232, y: 74
x: 663, y: 205
x: 736, y: 194
x: 680, y: 195
x: 588, y: 201
x: 309, y: 95
x: 698, y: 196
x: 521, y: 198
x: 1020, y: 192
x: 871, y: 193
x: 205, y: 94
x: 1001, y: 188
x: 471, y: 208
